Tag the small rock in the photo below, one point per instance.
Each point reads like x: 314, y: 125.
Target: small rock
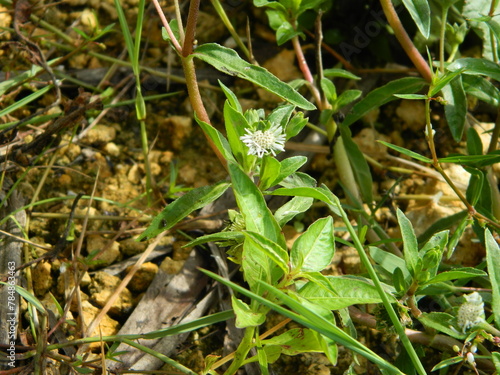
x: 107, y: 326
x: 100, y: 134
x: 367, y: 138
x: 143, y: 277
x: 102, y: 286
x: 42, y: 280
x: 412, y: 112
x: 112, y: 149
x: 134, y: 174
x: 131, y: 247
x: 108, y: 252
x: 171, y: 266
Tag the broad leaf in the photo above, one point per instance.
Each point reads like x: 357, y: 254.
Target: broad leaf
x: 410, y: 245
x: 227, y: 60
x: 442, y: 322
x: 421, y: 14
x: 183, y: 206
x: 292, y: 208
x: 273, y: 251
x: 258, y: 217
x: 296, y: 341
x: 217, y: 138
x: 313, y: 250
x: 245, y: 316
x: 456, y: 107
x: 471, y: 65
x: 341, y: 292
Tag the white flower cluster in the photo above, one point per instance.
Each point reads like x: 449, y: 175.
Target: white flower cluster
x: 261, y: 143
x: 471, y: 312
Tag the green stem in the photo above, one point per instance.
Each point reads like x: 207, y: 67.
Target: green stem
x: 383, y: 295
x: 223, y: 16
x: 241, y: 353
x: 405, y: 41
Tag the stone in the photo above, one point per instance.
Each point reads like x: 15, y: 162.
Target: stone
x: 102, y: 286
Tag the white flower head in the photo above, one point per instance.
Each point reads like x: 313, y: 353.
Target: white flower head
x: 263, y: 142
x: 471, y: 312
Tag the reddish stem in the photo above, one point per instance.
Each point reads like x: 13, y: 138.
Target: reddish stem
x: 405, y: 40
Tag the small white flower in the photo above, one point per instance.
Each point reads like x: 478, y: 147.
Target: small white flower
x: 261, y: 143
x: 470, y: 358
x: 471, y: 312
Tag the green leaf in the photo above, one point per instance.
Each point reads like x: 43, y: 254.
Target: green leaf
x: 215, y: 237
x: 471, y: 65
x: 442, y: 322
x: 442, y: 81
x: 296, y: 341
x: 236, y: 124
x: 217, y: 138
x: 309, y: 319
x: 456, y: 107
x: 477, y: 161
x: 495, y: 357
x: 183, y: 206
x: 482, y: 89
x: 273, y: 251
x: 292, y: 208
x: 457, y: 273
x: 314, y: 249
x: 286, y: 167
x: 383, y: 95
x: 432, y: 252
x: 448, y: 362
x: 28, y: 297
x: 493, y: 262
x: 409, y: 153
x: 281, y: 114
x: 295, y: 125
x: 258, y: 217
x: 421, y: 14
x: 475, y: 187
x: 346, y: 98
x: 474, y: 143
x: 389, y: 262
x: 231, y: 97
x: 341, y: 292
x: 26, y: 100
x: 245, y: 316
x: 359, y: 165
x: 321, y: 193
x: 341, y: 73
x: 411, y: 96
x: 410, y: 245
x: 227, y: 60
x: 329, y: 90
x: 270, y: 169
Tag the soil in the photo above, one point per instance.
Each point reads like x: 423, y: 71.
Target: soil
x: 100, y: 155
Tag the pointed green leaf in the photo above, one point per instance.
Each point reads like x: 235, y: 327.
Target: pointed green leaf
x: 296, y: 341
x: 409, y: 153
x: 457, y: 273
x: 258, y: 217
x: 245, y: 316
x: 410, y: 245
x: 227, y: 60
x: 292, y: 208
x: 272, y: 250
x: 183, y: 206
x: 471, y: 65
x: 314, y: 249
x: 421, y: 14
x: 456, y: 107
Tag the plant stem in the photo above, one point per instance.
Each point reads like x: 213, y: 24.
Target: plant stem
x: 164, y: 21
x: 385, y: 300
x: 405, y: 40
x: 242, y: 351
x: 187, y: 48
x: 305, y: 69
